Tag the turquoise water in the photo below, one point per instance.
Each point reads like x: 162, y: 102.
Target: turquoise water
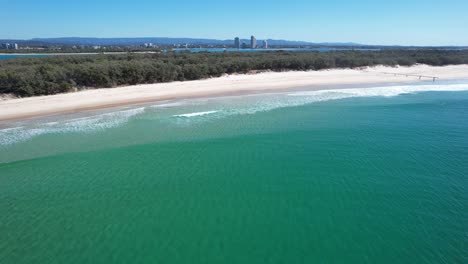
x: 374, y: 175
x: 26, y: 55
x: 14, y: 56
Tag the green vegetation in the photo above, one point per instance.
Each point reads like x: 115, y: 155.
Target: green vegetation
x: 43, y: 76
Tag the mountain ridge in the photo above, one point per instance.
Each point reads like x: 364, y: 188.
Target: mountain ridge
x: 170, y: 41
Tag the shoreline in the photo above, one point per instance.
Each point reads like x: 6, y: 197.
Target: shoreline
x: 77, y: 53
x: 59, y: 53
x: 242, y: 84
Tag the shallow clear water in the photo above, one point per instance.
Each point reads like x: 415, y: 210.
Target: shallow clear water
x: 348, y: 176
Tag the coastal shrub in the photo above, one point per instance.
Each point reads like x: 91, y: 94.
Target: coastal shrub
x: 56, y: 74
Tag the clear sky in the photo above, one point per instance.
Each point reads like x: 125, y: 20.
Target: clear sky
x: 402, y: 22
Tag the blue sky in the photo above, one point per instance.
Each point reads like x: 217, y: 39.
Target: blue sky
x: 410, y: 22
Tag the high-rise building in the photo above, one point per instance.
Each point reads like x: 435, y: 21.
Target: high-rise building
x: 148, y: 45
x: 265, y: 44
x: 253, y: 42
x: 9, y: 46
x: 5, y: 45
x: 237, y: 43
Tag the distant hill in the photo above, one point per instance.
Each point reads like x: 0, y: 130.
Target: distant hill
x: 200, y: 41
x: 169, y: 41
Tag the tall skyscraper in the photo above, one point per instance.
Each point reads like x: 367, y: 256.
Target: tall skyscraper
x: 265, y: 44
x: 237, y: 43
x: 6, y: 46
x: 253, y: 42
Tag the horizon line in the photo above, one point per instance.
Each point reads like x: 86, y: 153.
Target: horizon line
x: 226, y: 39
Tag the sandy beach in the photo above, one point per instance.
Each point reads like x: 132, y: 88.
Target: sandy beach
x: 226, y: 85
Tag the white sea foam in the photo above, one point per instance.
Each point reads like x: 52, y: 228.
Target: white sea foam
x: 167, y: 105
x: 51, y: 123
x: 307, y: 97
x: 85, y: 124
x: 225, y: 107
x: 257, y: 103
x: 10, y: 129
x: 386, y: 91
x: 196, y: 114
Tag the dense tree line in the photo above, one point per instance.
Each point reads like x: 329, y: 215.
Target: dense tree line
x: 57, y: 74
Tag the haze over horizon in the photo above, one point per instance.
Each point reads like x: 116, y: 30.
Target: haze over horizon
x: 419, y: 23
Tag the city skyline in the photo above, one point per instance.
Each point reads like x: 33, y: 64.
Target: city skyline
x: 253, y: 43
x: 419, y: 23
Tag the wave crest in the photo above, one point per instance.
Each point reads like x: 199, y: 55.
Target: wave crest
x: 10, y: 136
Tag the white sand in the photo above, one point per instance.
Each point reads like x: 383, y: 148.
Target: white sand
x: 231, y: 84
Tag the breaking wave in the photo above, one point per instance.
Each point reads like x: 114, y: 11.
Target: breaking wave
x: 226, y: 106
x: 85, y: 124
x: 196, y: 114
x: 261, y: 103
x: 386, y: 91
x: 307, y: 97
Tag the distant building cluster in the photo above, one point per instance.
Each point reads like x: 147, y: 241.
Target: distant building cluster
x: 149, y: 45
x: 9, y: 46
x: 253, y: 43
x: 82, y: 47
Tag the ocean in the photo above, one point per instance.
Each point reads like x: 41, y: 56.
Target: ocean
x: 15, y: 56
x: 361, y: 175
